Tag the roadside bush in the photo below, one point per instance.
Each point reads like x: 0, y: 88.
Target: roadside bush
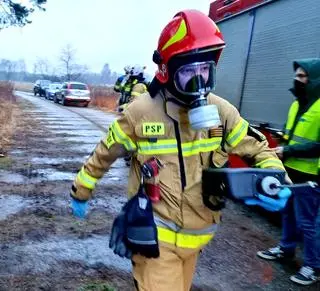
x: 104, y: 97
x: 23, y: 86
x: 7, y: 115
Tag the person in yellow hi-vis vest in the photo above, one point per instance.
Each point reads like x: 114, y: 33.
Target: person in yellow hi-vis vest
x: 301, y: 159
x: 179, y: 123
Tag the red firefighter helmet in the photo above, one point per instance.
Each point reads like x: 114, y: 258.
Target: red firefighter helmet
x: 189, y: 30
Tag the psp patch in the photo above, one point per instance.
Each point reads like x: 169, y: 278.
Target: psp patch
x: 153, y: 128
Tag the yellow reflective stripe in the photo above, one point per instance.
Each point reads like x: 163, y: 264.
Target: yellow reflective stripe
x: 121, y: 137
x: 270, y: 163
x: 166, y: 235
x: 135, y: 94
x: 109, y: 140
x: 202, y: 145
x: 86, y: 180
x: 183, y: 240
x: 238, y: 133
x: 179, y: 35
x: 145, y: 88
x: 169, y: 146
x: 166, y: 146
x: 192, y: 241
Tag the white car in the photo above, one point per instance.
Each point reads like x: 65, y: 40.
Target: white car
x: 73, y: 93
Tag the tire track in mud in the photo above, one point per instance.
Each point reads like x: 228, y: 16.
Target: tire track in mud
x: 39, y: 238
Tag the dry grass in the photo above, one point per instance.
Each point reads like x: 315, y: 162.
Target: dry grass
x: 23, y: 86
x: 8, y: 115
x: 104, y: 98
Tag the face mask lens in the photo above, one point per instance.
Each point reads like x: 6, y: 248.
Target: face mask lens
x: 196, y: 78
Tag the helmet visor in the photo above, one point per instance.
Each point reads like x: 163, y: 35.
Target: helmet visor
x: 196, y: 79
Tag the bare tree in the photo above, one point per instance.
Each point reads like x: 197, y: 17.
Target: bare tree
x: 16, y: 14
x: 106, y: 74
x: 71, y: 70
x: 42, y: 67
x: 21, y: 70
x: 8, y: 67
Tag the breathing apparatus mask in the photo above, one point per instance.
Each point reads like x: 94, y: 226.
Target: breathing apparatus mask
x: 193, y: 78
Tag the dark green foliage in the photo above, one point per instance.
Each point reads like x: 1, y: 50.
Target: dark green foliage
x: 13, y: 13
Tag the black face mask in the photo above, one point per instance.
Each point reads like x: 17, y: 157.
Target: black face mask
x: 300, y: 90
x: 195, y: 84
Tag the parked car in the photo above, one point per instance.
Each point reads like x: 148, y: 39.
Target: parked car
x: 52, y: 90
x: 73, y: 93
x: 40, y: 87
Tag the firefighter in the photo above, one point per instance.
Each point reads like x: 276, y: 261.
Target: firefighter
x: 301, y: 159
x: 122, y: 79
x: 135, y: 85
x: 180, y: 123
x: 120, y: 83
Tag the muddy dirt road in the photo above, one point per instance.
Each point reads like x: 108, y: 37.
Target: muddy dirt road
x: 44, y: 248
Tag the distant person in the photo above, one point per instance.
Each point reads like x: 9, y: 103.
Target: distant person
x: 301, y: 154
x: 135, y: 85
x: 119, y: 85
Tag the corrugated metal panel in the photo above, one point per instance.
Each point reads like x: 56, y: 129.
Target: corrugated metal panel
x: 231, y: 65
x: 284, y: 30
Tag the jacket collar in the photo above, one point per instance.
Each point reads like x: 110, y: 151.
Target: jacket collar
x: 173, y: 110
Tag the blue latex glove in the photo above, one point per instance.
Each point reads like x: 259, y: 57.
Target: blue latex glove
x: 271, y: 204
x: 79, y: 208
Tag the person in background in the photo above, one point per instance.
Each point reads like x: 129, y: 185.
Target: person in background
x: 301, y: 154
x: 120, y: 83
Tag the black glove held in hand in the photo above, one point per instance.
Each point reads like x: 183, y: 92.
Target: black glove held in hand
x: 142, y: 235
x: 118, y: 237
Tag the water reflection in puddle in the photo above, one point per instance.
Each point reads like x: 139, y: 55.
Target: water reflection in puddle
x: 57, y: 161
x: 87, y: 133
x: 10, y: 204
x: 48, y: 255
x: 11, y: 178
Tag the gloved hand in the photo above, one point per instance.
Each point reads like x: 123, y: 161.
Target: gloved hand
x: 79, y: 208
x: 117, y: 239
x: 271, y: 204
x: 141, y: 233
x: 134, y: 230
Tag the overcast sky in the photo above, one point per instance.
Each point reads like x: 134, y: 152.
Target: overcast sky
x: 119, y: 32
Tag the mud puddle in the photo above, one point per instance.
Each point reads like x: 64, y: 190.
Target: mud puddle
x: 71, y: 139
x: 11, y: 178
x: 41, y: 257
x: 84, y: 133
x: 11, y: 204
x: 57, y: 161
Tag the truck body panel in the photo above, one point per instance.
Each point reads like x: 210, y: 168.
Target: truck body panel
x: 255, y: 70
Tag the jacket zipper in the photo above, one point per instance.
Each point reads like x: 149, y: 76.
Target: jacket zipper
x: 181, y: 163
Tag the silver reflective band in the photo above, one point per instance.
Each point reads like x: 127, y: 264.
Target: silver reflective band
x: 204, y: 117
